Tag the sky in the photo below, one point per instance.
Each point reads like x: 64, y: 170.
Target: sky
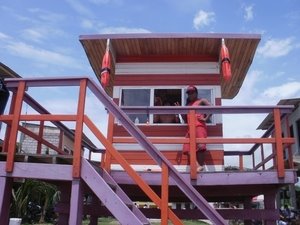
x: 41, y: 38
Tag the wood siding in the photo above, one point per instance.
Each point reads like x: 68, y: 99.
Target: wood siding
x: 175, y: 157
x: 183, y: 79
x: 167, y: 130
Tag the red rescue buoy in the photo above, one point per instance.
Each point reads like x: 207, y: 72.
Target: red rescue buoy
x: 225, y: 61
x: 105, y: 69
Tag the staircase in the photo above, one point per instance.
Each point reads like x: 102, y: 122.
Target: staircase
x: 111, y: 195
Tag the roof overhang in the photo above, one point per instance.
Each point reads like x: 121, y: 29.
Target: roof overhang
x: 6, y: 72
x: 181, y: 46
x: 269, y: 120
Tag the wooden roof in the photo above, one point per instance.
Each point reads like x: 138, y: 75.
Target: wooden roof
x: 183, y: 46
x: 269, y: 120
x: 6, y: 72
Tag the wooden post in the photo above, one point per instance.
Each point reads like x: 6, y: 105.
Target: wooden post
x: 241, y: 162
x: 61, y: 140
x: 14, y: 127
x: 5, y: 196
x: 8, y: 126
x: 290, y: 152
x: 79, y: 129
x: 76, y: 203
x: 262, y: 155
x: 269, y: 202
x: 41, y: 132
x: 278, y: 143
x: 164, y: 195
x: 192, y: 131
x: 106, y: 157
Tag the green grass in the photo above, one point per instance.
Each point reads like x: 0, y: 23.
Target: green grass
x: 110, y: 221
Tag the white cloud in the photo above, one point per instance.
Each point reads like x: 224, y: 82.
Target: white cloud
x: 248, y: 91
x: 116, y: 30
x: 87, y: 24
x: 3, y: 36
x: 274, y: 48
x: 248, y: 13
x: 41, y: 33
x: 46, y: 16
x: 21, y: 49
x: 80, y: 7
x: 288, y: 90
x: 203, y: 18
x: 33, y: 35
x: 100, y: 2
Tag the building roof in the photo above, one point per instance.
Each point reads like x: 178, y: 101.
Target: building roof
x: 269, y: 120
x: 6, y: 72
x: 145, y: 46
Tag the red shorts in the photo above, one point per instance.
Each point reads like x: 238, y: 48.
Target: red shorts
x: 201, y: 132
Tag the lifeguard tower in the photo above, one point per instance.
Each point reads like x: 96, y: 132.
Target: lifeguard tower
x: 141, y: 159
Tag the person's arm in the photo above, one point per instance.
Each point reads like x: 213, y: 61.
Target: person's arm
x: 183, y: 116
x: 204, y: 102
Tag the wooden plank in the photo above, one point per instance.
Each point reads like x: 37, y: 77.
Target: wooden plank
x: 66, y: 159
x: 161, y: 79
x: 175, y: 157
x: 14, y: 127
x: 40, y: 159
x: 167, y: 130
x: 278, y: 144
x: 164, y: 195
x: 79, y: 129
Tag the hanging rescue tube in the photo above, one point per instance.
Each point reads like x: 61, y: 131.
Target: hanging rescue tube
x: 105, y: 69
x: 225, y: 61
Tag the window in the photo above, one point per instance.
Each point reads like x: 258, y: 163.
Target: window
x: 155, y: 97
x: 166, y: 97
x: 170, y: 96
x: 136, y: 97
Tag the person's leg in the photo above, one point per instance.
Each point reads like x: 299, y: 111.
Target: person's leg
x: 200, y: 160
x: 201, y: 132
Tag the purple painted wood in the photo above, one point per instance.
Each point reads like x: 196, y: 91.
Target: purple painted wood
x: 215, y: 178
x: 37, y: 171
x: 186, y: 187
x: 270, y: 203
x: 76, y: 203
x: 168, y: 35
x: 123, y: 195
x: 108, y: 197
x: 63, y: 207
x: 5, y: 195
x: 45, y: 81
x: 206, y: 109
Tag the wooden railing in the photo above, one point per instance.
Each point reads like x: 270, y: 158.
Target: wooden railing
x: 18, y: 87
x: 277, y: 142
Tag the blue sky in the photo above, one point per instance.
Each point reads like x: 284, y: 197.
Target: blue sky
x: 41, y: 38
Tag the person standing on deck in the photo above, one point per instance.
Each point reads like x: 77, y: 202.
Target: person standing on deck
x: 201, y: 128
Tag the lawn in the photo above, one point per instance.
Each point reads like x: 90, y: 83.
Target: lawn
x: 109, y: 221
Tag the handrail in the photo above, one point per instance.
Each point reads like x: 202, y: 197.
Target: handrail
x: 187, y: 188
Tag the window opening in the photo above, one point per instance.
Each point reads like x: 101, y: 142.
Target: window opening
x: 136, y: 97
x: 166, y: 97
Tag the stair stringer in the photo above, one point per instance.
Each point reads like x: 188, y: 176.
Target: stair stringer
x: 110, y: 199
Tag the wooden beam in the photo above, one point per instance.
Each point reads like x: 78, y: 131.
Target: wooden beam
x: 14, y: 127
